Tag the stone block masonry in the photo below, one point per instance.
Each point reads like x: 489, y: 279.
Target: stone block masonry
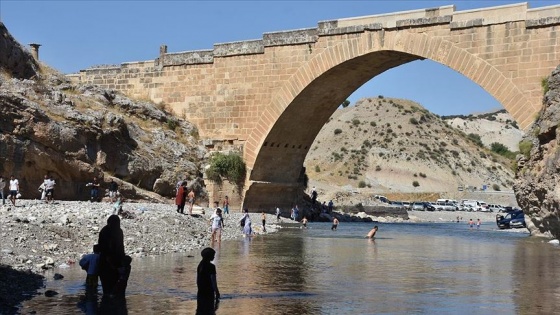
x: 282, y: 88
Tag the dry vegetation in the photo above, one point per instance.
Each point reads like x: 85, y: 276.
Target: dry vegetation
x: 396, y: 146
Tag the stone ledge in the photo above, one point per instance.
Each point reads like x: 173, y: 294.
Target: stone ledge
x: 331, y: 28
x: 248, y: 47
x: 466, y: 24
x: 292, y: 37
x: 425, y: 21
x: 553, y: 20
x: 187, y: 58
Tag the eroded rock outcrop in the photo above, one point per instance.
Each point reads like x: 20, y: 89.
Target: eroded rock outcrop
x: 14, y: 59
x: 75, y: 132
x: 537, y: 181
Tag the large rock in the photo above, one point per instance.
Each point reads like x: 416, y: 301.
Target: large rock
x: 76, y: 132
x: 537, y: 184
x: 14, y: 58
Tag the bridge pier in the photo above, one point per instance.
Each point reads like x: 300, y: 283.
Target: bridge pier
x: 267, y: 196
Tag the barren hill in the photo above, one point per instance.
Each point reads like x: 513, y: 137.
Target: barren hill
x: 394, y: 146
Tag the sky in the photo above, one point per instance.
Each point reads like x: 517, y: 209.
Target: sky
x: 77, y: 34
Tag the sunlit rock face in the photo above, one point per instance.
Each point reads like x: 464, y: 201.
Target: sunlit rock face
x: 537, y: 181
x: 73, y: 132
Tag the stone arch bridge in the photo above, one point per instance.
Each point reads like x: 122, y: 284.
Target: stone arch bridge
x: 270, y: 97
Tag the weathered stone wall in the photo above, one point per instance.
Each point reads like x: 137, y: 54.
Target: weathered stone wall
x: 537, y: 184
x: 218, y: 191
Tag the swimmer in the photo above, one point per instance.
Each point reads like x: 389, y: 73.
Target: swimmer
x: 371, y: 233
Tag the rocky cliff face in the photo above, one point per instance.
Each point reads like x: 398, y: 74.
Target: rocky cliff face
x: 75, y: 132
x: 537, y: 181
x: 14, y: 59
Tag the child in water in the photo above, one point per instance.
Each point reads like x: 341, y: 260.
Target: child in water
x: 304, y: 222
x: 89, y: 263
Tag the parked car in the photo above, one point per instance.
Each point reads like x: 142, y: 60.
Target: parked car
x: 518, y: 221
x: 447, y: 206
x: 504, y: 220
x: 495, y: 208
x: 418, y: 206
x: 429, y: 206
x: 397, y: 204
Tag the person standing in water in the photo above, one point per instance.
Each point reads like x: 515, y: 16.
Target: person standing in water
x: 208, y: 295
x: 372, y: 233
x: 334, y: 224
x: 264, y: 222
x: 304, y: 222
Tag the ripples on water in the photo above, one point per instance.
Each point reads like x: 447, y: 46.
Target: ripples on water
x: 443, y: 268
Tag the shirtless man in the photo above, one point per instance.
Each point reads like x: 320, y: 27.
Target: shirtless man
x: 371, y: 233
x: 190, y: 200
x: 334, y: 224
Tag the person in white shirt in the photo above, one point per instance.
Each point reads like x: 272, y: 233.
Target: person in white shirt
x: 49, y: 188
x: 217, y: 225
x: 277, y: 214
x: 14, y: 189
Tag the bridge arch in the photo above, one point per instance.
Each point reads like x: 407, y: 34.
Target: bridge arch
x: 302, y: 105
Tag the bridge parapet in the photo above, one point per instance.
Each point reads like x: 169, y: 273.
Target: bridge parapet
x: 537, y: 17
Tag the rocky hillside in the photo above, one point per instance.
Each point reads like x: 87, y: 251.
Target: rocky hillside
x: 538, y: 181
x: 75, y: 132
x: 491, y: 127
x: 384, y: 146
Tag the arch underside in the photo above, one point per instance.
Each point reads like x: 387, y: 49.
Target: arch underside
x: 277, y: 171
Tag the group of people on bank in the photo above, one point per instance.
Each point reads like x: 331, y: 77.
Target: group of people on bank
x: 47, y: 189
x: 13, y: 191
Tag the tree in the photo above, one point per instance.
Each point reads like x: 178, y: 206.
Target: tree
x: 345, y: 104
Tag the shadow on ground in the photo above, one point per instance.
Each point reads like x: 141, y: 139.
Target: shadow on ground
x: 17, y: 286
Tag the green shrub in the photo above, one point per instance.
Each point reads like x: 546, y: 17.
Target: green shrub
x: 476, y: 139
x: 337, y: 131
x: 496, y: 187
x: 372, y: 123
x: 230, y: 166
x: 413, y: 121
x: 544, y: 85
x: 172, y: 124
x: 502, y: 150
x: 355, y: 122
x: 317, y: 169
x: 525, y: 147
x: 415, y: 183
x: 345, y: 103
x: 362, y: 184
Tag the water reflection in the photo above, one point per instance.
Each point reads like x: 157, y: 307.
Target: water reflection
x: 407, y: 269
x: 536, y: 276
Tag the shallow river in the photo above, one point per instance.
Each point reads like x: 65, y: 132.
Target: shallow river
x: 442, y: 268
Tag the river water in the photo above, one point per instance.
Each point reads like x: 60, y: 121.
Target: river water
x: 419, y: 268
